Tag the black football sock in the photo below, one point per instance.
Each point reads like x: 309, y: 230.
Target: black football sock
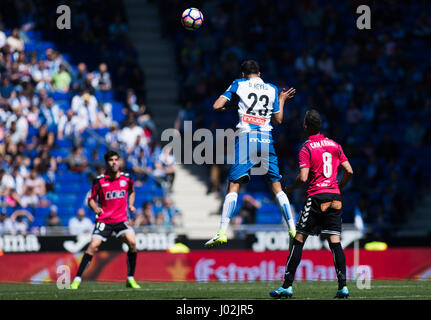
x: 339, y: 263
x: 292, y: 263
x: 131, y: 263
x: 86, y: 259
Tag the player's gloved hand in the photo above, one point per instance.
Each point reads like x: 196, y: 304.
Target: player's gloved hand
x: 292, y: 233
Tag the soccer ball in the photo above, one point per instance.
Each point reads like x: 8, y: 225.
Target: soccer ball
x: 192, y: 19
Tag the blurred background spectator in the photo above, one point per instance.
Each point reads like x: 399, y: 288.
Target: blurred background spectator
x: 80, y: 224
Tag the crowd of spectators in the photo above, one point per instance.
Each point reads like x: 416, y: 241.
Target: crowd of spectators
x: 56, y: 96
x: 371, y: 86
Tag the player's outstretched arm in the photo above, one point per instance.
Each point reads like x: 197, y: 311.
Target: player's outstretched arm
x: 347, y: 174
x: 282, y: 97
x: 300, y: 180
x: 219, y: 104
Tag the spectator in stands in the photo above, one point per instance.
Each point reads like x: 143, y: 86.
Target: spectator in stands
x: 144, y: 118
x: 62, y: 79
x: 145, y: 216
x: 14, y: 134
x: 67, y: 125
x: 44, y: 138
x: 42, y: 76
x: 18, y: 180
x: 76, y: 160
x: 6, y: 88
x: 80, y: 224
x: 185, y: 114
x: 325, y: 64
x: 53, y: 220
x: 129, y: 135
x: 104, y: 116
x: 18, y: 100
x: 117, y: 29
x: 247, y: 212
x: 164, y: 168
x: 50, y: 114
x: 6, y: 182
x: 29, y: 198
x: 304, y: 63
x: 35, y: 182
x: 140, y: 164
x: 6, y: 226
x: 102, y: 78
x: 19, y: 225
x: 14, y: 41
x: 169, y: 215
x: 78, y: 79
x: 112, y: 138
x: 3, y: 39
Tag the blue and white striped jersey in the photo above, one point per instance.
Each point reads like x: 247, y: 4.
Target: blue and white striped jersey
x: 257, y: 102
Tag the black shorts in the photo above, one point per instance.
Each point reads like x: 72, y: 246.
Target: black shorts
x: 105, y: 230
x: 321, y: 214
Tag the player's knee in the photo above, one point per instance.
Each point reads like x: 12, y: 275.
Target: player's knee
x: 132, y: 245
x: 300, y: 237
x: 92, y: 249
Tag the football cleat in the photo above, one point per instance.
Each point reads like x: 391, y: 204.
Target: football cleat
x: 131, y: 283
x: 218, y: 239
x: 342, y: 294
x: 282, y: 293
x: 75, y: 285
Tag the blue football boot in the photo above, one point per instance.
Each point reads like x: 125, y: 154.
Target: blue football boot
x: 282, y: 292
x: 342, y: 294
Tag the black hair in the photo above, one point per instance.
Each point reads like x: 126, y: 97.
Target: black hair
x: 313, y: 121
x: 250, y: 67
x: 110, y: 154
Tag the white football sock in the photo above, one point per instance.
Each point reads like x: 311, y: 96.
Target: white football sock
x: 284, y: 204
x: 228, y: 209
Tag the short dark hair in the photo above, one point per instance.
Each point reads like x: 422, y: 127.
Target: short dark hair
x: 313, y: 121
x: 110, y: 154
x: 250, y: 67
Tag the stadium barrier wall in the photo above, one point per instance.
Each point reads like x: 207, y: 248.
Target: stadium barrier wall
x: 218, y: 265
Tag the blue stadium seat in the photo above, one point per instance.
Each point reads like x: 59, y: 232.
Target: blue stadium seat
x: 117, y: 111
x: 64, y: 143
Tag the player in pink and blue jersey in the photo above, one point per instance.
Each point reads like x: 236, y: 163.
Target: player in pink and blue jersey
x: 319, y: 159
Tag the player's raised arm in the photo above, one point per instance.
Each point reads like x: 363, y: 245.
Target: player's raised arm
x: 219, y: 104
x: 347, y: 174
x: 282, y: 97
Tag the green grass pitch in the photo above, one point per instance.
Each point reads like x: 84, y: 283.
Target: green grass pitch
x: 304, y: 290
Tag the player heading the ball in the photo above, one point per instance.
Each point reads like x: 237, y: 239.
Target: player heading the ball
x: 258, y: 103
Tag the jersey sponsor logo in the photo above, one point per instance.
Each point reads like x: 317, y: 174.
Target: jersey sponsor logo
x: 116, y: 194
x: 253, y: 120
x: 259, y: 140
